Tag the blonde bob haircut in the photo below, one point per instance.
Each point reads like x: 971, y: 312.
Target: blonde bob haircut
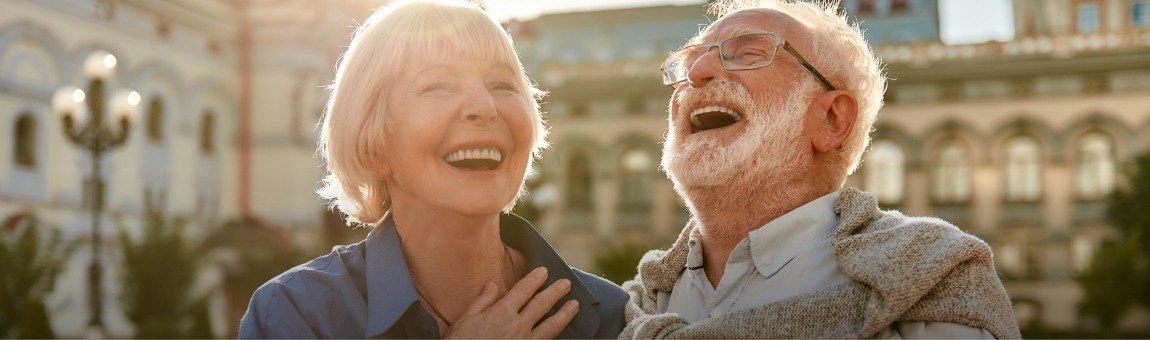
x: 395, y: 38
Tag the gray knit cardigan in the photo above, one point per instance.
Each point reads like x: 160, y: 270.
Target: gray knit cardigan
x: 903, y: 269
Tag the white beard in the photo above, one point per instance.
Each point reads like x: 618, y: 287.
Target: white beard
x: 768, y: 153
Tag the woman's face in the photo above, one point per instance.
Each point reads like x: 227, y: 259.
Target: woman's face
x: 459, y: 136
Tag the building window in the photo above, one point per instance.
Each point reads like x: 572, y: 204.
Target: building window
x: 1094, y: 176
x: 1088, y: 17
x: 1011, y: 259
x: 1081, y: 252
x: 207, y: 133
x: 24, y: 145
x: 952, y: 173
x: 638, y: 167
x: 579, y: 182
x: 1140, y: 13
x: 579, y: 110
x: 866, y: 7
x: 885, y: 171
x: 899, y: 6
x: 1023, y: 169
x: 156, y: 120
x: 636, y: 106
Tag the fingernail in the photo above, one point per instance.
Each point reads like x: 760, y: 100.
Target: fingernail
x: 571, y: 304
x: 564, y: 283
x: 541, y: 271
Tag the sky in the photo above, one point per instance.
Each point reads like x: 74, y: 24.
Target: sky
x: 962, y: 22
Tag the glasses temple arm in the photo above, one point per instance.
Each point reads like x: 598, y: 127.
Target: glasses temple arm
x: 808, y: 66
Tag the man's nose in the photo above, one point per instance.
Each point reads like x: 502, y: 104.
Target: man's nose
x: 705, y: 68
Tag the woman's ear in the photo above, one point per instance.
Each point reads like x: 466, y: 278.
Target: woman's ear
x: 836, y: 121
x: 376, y: 164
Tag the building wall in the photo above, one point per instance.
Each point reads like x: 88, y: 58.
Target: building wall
x: 191, y: 55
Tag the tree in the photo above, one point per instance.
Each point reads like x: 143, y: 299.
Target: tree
x: 158, y: 273
x: 620, y: 262
x: 1120, y: 272
x: 30, y: 266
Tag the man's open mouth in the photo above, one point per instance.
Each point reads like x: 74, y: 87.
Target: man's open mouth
x: 475, y: 159
x: 713, y: 117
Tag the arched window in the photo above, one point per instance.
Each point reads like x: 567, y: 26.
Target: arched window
x: 207, y: 133
x: 24, y: 145
x: 579, y: 182
x: 952, y: 173
x: 1094, y: 176
x: 638, y: 165
x: 884, y: 171
x: 156, y: 120
x: 1023, y: 169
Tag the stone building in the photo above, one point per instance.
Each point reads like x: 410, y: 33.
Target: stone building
x: 229, y: 95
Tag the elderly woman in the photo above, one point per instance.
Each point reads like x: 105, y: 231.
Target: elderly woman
x: 430, y: 130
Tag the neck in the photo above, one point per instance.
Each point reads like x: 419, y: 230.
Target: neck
x: 726, y: 215
x: 451, y: 258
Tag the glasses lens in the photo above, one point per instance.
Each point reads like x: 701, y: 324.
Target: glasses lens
x: 673, y: 68
x: 748, y: 51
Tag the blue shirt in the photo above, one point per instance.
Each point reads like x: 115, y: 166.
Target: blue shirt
x: 364, y: 290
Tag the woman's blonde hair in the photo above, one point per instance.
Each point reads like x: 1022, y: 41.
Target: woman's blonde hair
x: 394, y: 38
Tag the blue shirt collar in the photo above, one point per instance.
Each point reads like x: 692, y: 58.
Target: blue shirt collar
x: 391, y: 292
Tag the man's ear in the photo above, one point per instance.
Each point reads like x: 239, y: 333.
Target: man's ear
x: 834, y: 120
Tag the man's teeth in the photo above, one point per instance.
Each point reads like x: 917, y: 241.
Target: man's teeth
x: 486, y: 154
x: 713, y: 108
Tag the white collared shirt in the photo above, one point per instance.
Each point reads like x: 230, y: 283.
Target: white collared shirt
x: 785, y: 258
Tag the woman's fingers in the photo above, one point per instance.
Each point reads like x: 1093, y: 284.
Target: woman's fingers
x: 486, y: 299
x: 542, y: 302
x: 551, y: 327
x: 524, y: 289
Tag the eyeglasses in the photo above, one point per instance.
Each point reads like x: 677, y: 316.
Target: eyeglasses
x: 741, y: 52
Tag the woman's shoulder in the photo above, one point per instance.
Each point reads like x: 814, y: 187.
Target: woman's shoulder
x: 308, y: 291
x: 608, y: 293
x: 335, y: 266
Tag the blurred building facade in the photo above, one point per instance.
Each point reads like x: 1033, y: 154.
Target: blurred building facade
x: 1017, y: 142
x: 231, y: 92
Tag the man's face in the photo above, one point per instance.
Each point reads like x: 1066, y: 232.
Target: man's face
x: 741, y: 129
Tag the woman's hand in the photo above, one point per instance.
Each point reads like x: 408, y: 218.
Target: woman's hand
x: 513, y: 316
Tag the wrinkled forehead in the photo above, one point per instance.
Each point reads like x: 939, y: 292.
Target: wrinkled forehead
x: 755, y: 20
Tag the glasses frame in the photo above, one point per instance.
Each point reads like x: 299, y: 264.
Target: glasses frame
x: 779, y: 41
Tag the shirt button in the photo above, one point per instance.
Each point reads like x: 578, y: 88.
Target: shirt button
x: 716, y: 312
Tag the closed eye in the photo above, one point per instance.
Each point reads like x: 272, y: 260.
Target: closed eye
x: 504, y: 87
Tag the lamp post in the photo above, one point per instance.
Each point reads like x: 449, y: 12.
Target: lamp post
x: 87, y: 127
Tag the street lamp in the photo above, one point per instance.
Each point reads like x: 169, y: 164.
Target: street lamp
x: 87, y: 127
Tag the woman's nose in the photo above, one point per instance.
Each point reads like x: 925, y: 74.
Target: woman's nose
x: 479, y: 108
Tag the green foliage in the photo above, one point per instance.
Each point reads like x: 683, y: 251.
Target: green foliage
x: 30, y: 266
x: 158, y: 273
x: 1120, y: 271
x: 620, y: 262
x: 36, y: 324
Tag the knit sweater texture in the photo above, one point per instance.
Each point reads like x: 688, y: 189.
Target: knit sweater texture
x: 902, y: 269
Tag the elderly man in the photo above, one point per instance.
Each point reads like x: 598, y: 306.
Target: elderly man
x: 760, y: 141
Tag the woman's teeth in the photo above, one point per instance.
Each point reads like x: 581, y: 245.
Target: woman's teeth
x: 487, y: 158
